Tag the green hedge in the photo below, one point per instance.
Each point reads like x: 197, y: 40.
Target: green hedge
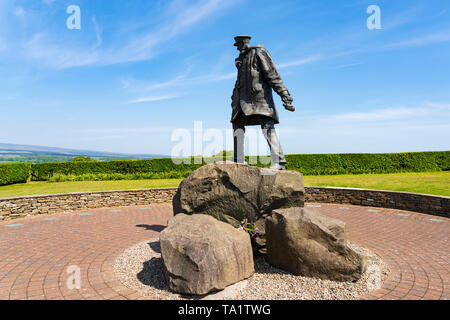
x: 120, y: 176
x: 308, y: 164
x: 44, y: 171
x: 366, y: 163
x: 14, y: 173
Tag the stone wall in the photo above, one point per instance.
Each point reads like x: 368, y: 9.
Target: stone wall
x: 17, y: 207
x: 435, y: 205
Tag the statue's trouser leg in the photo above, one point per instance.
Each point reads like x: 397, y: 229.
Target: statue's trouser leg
x: 238, y: 139
x: 268, y: 129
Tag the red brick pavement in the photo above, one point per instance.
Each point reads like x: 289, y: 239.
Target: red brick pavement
x: 35, y: 255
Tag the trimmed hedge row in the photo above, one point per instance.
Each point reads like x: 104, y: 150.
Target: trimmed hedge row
x: 308, y: 164
x: 44, y: 171
x: 14, y: 173
x: 366, y: 163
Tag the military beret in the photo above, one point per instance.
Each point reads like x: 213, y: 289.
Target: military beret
x: 238, y: 39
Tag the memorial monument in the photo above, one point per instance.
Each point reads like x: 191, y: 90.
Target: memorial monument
x: 202, y: 249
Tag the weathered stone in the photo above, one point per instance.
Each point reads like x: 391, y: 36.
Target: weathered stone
x: 260, y: 242
x: 201, y: 254
x: 312, y: 245
x: 231, y: 192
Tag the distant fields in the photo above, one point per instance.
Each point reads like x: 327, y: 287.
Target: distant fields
x: 437, y: 183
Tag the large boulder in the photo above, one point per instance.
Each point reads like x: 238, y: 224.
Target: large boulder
x: 201, y: 254
x: 231, y: 192
x: 309, y: 244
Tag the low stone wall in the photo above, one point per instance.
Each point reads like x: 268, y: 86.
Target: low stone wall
x: 17, y: 207
x: 423, y: 203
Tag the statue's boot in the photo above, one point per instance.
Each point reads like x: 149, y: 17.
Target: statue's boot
x: 278, y: 166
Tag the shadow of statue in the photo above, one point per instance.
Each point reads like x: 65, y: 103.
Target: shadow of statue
x: 154, y: 227
x: 155, y: 246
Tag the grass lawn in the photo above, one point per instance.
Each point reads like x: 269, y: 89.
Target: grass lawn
x: 437, y: 183
x: 44, y: 187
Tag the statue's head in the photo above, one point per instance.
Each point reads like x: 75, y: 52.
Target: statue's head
x: 242, y: 42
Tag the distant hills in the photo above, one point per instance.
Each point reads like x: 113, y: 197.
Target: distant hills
x: 38, y: 154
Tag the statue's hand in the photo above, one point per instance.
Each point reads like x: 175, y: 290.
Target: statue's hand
x: 289, y: 107
x: 287, y: 99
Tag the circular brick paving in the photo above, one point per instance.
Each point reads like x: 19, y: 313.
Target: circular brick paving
x: 36, y: 253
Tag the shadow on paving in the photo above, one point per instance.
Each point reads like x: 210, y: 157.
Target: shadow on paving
x: 152, y: 270
x: 154, y: 227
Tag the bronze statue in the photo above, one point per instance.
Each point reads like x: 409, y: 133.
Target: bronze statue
x: 252, y: 100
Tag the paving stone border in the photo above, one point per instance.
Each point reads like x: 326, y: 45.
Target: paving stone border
x: 16, y: 207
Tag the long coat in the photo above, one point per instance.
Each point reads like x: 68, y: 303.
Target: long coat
x: 252, y: 94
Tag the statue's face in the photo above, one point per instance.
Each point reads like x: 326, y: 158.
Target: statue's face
x: 242, y: 45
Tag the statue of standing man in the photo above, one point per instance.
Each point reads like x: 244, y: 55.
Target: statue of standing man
x: 252, y: 100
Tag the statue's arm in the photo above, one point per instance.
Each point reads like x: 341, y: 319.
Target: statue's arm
x: 273, y: 77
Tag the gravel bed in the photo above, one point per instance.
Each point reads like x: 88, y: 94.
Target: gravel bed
x: 140, y: 268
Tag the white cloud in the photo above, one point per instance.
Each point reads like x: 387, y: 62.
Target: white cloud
x: 191, y: 14
x: 401, y: 18
x: 98, y: 32
x: 438, y: 105
x: 122, y: 134
x: 152, y: 99
x: 307, y: 60
x: 40, y: 48
x: 427, y: 111
x: 425, y: 127
x: 429, y: 39
x: 385, y: 114
x: 401, y: 113
x: 128, y: 130
x: 19, y: 11
x: 443, y: 12
x: 183, y: 78
x: 139, y: 48
x: 167, y: 84
x: 342, y: 66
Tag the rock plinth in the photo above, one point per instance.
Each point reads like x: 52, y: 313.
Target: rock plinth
x: 293, y: 238
x: 202, y: 255
x: 309, y: 244
x: 231, y: 192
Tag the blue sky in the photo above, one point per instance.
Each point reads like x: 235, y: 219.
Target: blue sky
x: 137, y: 70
